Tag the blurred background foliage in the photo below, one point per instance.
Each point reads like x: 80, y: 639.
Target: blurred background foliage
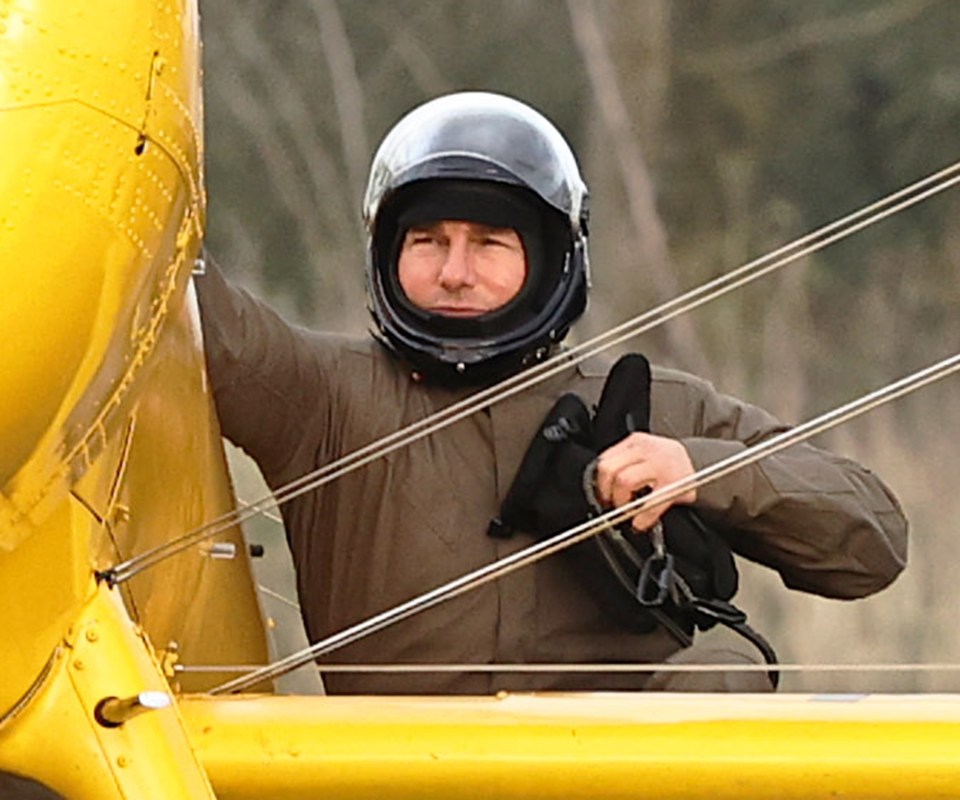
x: 709, y: 134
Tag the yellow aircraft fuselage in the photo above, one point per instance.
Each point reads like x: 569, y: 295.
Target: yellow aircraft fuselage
x: 109, y: 447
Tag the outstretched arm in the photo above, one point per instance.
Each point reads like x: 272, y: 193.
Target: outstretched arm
x: 264, y: 376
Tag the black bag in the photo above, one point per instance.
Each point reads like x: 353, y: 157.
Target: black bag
x: 684, y: 586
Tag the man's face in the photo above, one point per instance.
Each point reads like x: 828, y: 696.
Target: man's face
x: 461, y: 269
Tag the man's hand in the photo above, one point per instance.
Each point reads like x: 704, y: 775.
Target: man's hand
x: 638, y: 462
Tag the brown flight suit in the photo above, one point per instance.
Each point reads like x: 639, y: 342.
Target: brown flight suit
x: 295, y: 400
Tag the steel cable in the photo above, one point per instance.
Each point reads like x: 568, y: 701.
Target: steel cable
x: 804, y: 246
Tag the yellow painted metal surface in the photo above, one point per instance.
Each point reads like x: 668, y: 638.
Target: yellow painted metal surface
x: 55, y: 739
x: 97, y: 228
x: 589, y: 746
x: 108, y: 442
x: 102, y: 395
x: 100, y: 130
x: 167, y: 475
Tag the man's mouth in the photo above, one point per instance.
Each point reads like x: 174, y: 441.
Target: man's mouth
x: 458, y: 311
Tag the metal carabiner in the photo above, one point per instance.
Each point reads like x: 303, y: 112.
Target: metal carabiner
x: 655, y: 583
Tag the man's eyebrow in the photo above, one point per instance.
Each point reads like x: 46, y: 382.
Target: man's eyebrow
x: 481, y: 227
x: 485, y: 228
x: 424, y: 226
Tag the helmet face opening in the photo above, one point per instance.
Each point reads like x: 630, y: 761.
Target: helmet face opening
x: 482, y: 158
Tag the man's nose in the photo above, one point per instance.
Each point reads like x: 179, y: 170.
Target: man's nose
x: 457, y: 270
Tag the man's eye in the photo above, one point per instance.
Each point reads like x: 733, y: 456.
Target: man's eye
x: 494, y: 241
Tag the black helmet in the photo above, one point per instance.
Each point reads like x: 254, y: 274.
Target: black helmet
x: 486, y: 158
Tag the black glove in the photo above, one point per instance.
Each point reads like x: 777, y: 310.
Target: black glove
x: 553, y: 490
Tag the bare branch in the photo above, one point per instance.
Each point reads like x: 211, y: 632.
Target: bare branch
x: 289, y: 105
x: 820, y: 33
x: 415, y: 58
x: 647, y: 229
x: 284, y: 173
x: 347, y: 92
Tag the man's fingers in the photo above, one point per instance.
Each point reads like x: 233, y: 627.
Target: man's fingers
x: 642, y: 462
x: 625, y: 490
x: 630, y: 482
x: 610, y: 464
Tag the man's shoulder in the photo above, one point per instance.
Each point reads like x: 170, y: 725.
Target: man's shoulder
x: 597, y: 367
x: 349, y: 344
x: 358, y: 361
x: 677, y: 378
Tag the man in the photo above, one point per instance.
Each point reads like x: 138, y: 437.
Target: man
x: 477, y: 267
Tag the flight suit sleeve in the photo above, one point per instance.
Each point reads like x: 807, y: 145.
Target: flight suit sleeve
x: 827, y: 524
x: 265, y: 374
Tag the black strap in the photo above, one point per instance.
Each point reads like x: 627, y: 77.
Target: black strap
x: 708, y: 612
x: 732, y: 617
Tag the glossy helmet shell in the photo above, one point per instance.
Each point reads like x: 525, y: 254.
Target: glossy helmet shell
x: 478, y: 136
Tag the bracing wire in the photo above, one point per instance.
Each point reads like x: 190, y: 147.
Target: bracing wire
x: 806, y: 245
x: 594, y: 667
